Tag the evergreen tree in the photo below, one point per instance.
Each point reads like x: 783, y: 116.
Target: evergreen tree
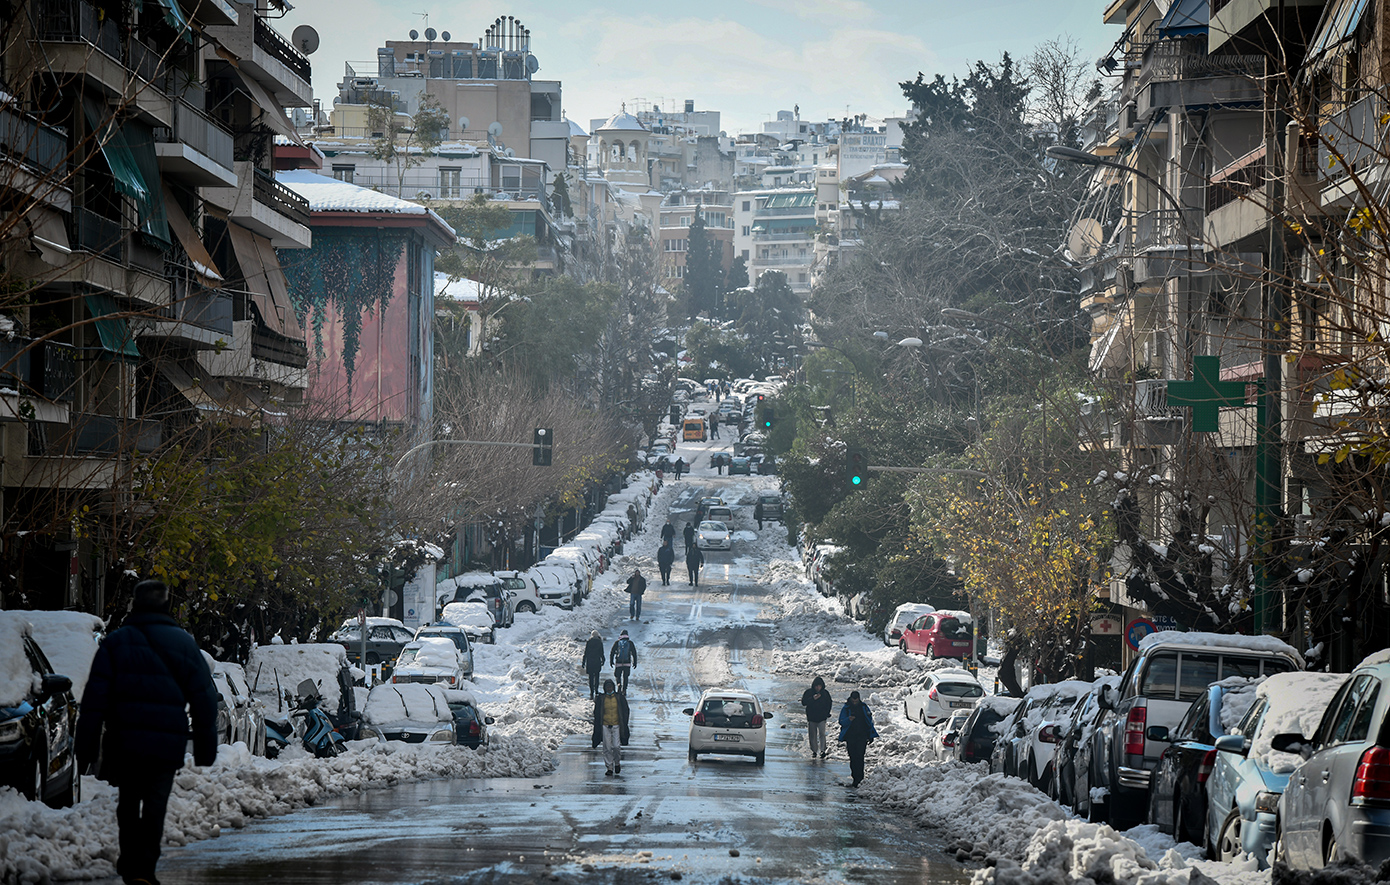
x: 703, y: 269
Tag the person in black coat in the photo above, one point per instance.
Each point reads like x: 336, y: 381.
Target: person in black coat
x: 694, y: 561
x: 817, y: 702
x: 593, y: 661
x: 636, y: 586
x: 147, y: 679
x: 689, y: 537
x: 665, y: 558
x: 668, y: 532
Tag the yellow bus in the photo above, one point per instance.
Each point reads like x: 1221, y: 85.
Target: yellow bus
x: 693, y: 429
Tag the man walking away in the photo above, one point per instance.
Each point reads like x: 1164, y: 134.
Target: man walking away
x: 665, y: 558
x: 689, y: 537
x: 856, y: 732
x: 610, y: 727
x: 147, y: 678
x: 668, y: 532
x: 679, y: 468
x: 817, y: 702
x: 714, y: 427
x: 694, y: 560
x: 758, y: 514
x: 623, y: 657
x: 636, y: 586
x: 593, y: 661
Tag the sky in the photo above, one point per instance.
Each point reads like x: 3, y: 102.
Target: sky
x: 747, y: 59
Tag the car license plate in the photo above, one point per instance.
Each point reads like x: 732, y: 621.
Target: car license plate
x: 726, y: 737
x: 960, y: 704
x: 960, y: 645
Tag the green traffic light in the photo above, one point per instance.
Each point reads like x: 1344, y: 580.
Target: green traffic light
x: 856, y: 480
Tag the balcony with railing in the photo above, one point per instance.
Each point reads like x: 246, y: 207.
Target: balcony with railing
x: 90, y: 434
x: 38, y: 368
x: 1180, y: 73
x: 269, y: 192
x: 1352, y: 149
x: 196, y: 148
x: 264, y: 54
x: 276, y: 46
x: 69, y: 21
x: 1236, y: 201
x: 98, y: 234
x: 30, y: 141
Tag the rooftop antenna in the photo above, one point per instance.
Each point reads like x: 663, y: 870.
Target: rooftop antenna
x: 425, y: 16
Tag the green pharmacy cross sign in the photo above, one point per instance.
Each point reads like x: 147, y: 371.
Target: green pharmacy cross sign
x: 1206, y: 393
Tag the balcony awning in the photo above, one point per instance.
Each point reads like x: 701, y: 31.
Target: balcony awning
x: 207, y: 395
x: 784, y: 224
x: 174, y: 18
x: 271, y: 299
x: 113, y: 330
x: 49, y: 235
x: 272, y: 114
x: 116, y: 151
x: 1337, y: 25
x: 1185, y: 18
x: 192, y: 244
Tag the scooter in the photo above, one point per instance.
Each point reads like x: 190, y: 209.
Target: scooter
x: 278, y: 734
x: 319, y: 737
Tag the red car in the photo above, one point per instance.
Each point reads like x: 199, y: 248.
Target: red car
x: 942, y: 634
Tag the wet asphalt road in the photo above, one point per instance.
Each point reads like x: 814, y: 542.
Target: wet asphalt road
x: 792, y: 820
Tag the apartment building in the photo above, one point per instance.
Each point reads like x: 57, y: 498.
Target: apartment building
x: 775, y: 229
x: 142, y: 218
x: 678, y: 212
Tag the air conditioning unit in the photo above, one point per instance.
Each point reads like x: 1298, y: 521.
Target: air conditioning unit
x: 364, y: 83
x: 1302, y: 527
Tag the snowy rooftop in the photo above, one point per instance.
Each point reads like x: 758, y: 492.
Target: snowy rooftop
x: 461, y: 289
x: 622, y: 120
x: 575, y: 128
x: 327, y: 194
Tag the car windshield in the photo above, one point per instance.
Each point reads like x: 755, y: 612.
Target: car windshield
x: 459, y: 639
x: 713, y: 527
x: 961, y: 689
x: 407, y: 655
x: 732, y: 712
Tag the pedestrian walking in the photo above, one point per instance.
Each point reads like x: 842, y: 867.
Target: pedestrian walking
x: 689, y: 537
x: 611, y: 727
x: 668, y: 532
x: 679, y: 468
x: 665, y: 558
x: 147, y: 679
x: 719, y: 464
x: 817, y: 702
x: 758, y: 514
x: 636, y: 586
x: 593, y: 661
x: 714, y: 427
x: 856, y: 733
x: 623, y: 658
x: 694, y: 561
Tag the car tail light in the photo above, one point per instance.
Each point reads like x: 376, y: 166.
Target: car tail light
x: 948, y: 741
x: 1372, y: 781
x: 757, y: 720
x: 700, y: 718
x: 1048, y: 734
x: 1134, y: 730
x: 933, y: 694
x: 473, y: 728
x: 1204, y: 769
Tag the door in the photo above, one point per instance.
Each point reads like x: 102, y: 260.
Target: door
x: 1302, y: 820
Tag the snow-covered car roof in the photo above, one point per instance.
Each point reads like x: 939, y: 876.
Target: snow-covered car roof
x: 1222, y: 641
x: 431, y: 653
x: 69, y: 640
x: 405, y: 703
x: 467, y: 614
x: 963, y: 617
x: 470, y: 579
x: 16, y: 675
x: 460, y: 696
x: 954, y: 674
x: 371, y: 622
x: 916, y: 609
x: 740, y: 693
x: 319, y: 661
x: 1297, y: 702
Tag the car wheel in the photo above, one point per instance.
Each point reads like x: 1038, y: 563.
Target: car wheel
x: 694, y: 757
x: 759, y: 758
x: 526, y: 607
x: 373, y: 658
x: 1228, y: 846
x: 902, y: 646
x: 38, y: 774
x: 72, y: 793
x: 492, y: 638
x: 1330, y: 853
x: 922, y: 716
x: 1180, y: 833
x: 931, y: 652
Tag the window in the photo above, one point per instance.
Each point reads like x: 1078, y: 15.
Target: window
x: 1341, y: 726
x: 1194, y: 723
x: 511, y: 178
x: 343, y: 173
x: 1361, y: 724
x: 685, y: 221
x: 744, y: 255
x: 1198, y: 671
x: 747, y: 207
x: 449, y: 183
x: 745, y: 233
x: 1161, y: 676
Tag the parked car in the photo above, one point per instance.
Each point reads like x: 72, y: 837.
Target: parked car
x: 983, y: 727
x: 555, y: 587
x: 474, y: 617
x: 38, y: 719
x: 772, y: 506
x: 713, y: 535
x: 941, y: 634
x: 457, y: 635
x: 1249, y: 775
x: 902, y: 616
x: 413, y: 713
x: 430, y: 660
x: 1071, y: 780
x: 525, y: 594
x: 944, y: 736
x: 942, y: 693
x: 275, y: 671
x: 69, y: 641
x: 1170, y: 671
x: 728, y: 721
x: 1032, y: 737
x: 385, y: 639
x: 1178, y: 793
x: 470, y: 725
x: 741, y: 464
x: 1337, y: 800
x: 487, y: 587
x: 240, y: 717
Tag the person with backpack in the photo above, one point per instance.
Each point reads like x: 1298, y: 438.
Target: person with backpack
x: 593, y: 661
x: 611, y: 715
x: 817, y: 702
x: 665, y: 558
x: 623, y: 658
x: 694, y: 561
x: 636, y: 586
x: 856, y: 733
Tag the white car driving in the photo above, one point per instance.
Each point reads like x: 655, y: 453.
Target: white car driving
x: 942, y: 693
x: 728, y: 721
x: 713, y: 535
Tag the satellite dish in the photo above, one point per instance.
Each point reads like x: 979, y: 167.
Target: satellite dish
x: 463, y: 123
x: 1085, y: 239
x: 430, y: 34
x: 306, y: 39
x: 531, y: 64
x: 494, y: 129
x: 446, y: 36
x: 509, y: 152
x: 414, y: 34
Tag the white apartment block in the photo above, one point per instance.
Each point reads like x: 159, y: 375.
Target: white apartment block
x: 775, y: 229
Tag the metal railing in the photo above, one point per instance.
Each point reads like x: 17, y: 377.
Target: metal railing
x: 33, y: 142
x: 266, y: 190
x: 1242, y: 176
x: 1169, y: 60
x: 200, y: 132
x: 193, y: 302
x: 808, y: 233
x: 1165, y: 227
x: 269, y: 39
x: 42, y: 368
x: 74, y: 20
x: 95, y: 435
x: 144, y: 61
x: 804, y: 261
x: 1356, y: 135
x: 98, y: 234
x: 279, y: 350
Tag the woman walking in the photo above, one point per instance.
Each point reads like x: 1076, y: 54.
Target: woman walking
x: 817, y: 702
x: 856, y: 732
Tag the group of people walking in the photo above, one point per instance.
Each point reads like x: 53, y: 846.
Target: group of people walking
x: 856, y: 726
x: 666, y: 554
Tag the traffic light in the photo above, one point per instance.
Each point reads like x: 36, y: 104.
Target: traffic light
x: 767, y: 418
x: 856, y: 466
x: 542, y: 447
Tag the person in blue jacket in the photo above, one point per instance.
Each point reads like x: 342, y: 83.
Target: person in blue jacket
x: 148, y: 678
x: 856, y: 732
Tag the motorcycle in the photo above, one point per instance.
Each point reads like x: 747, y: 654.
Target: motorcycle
x: 319, y: 735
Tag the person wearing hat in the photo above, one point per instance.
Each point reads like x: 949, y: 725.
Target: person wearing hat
x: 817, y: 702
x: 623, y: 657
x: 856, y: 732
x: 610, y: 727
x: 593, y: 661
